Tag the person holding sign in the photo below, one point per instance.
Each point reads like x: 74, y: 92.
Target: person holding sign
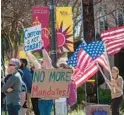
x: 45, y: 106
x: 116, y: 86
x: 73, y: 90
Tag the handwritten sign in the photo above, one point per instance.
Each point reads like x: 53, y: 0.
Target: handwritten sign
x: 97, y: 109
x: 32, y: 38
x: 51, y: 83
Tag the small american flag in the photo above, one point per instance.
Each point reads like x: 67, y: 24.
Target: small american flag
x: 87, y: 57
x: 114, y: 39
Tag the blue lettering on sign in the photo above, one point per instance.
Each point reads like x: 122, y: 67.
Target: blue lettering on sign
x: 32, y: 47
x: 31, y: 34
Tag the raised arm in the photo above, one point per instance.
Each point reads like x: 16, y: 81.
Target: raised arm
x: 47, y: 59
x: 33, y: 60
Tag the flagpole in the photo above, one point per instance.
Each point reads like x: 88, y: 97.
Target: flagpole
x: 103, y: 74
x: 84, y: 43
x: 108, y: 64
x: 53, y: 39
x: 107, y: 60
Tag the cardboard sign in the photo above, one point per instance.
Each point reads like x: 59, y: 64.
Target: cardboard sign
x: 32, y: 38
x: 51, y: 83
x: 98, y: 109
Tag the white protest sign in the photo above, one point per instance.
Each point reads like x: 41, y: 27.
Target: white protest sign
x: 32, y: 38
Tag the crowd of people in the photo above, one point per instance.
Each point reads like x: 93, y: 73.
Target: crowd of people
x: 17, y: 84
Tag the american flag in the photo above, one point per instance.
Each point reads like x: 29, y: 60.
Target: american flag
x: 86, y: 59
x: 72, y: 61
x: 113, y: 39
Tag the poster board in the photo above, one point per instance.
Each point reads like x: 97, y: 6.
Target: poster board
x: 51, y: 83
x: 98, y: 109
x: 32, y: 38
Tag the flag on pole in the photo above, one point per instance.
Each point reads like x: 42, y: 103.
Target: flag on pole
x: 113, y: 39
x: 87, y: 58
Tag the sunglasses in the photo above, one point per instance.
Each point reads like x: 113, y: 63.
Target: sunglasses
x: 11, y: 64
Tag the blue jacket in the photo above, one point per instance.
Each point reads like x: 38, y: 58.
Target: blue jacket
x: 27, y: 78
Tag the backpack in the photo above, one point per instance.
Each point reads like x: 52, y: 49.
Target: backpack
x: 73, y: 94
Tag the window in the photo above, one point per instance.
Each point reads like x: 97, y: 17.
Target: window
x: 120, y: 17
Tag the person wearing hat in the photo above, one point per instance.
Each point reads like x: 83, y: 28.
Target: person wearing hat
x: 116, y: 87
x: 12, y: 87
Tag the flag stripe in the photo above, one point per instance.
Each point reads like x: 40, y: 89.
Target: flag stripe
x: 113, y: 48
x: 103, y: 61
x: 118, y: 45
x: 116, y: 35
x: 87, y: 75
x: 84, y: 59
x: 91, y: 70
x: 112, y: 31
x: 114, y: 39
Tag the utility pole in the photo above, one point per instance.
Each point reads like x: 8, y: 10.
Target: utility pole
x: 88, y: 20
x: 89, y: 36
x: 53, y: 39
x: 53, y: 34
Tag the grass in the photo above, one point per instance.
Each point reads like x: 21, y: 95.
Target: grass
x: 77, y: 112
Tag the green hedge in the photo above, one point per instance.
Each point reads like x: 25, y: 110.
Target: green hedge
x: 104, y: 96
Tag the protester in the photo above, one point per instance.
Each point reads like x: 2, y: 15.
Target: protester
x: 3, y: 97
x: 116, y: 86
x: 34, y: 100
x: 12, y: 87
x: 27, y: 79
x: 27, y: 75
x: 72, y: 99
x: 45, y: 106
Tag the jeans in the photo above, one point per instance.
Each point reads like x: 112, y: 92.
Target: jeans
x: 115, y: 105
x: 45, y: 106
x: 13, y: 109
